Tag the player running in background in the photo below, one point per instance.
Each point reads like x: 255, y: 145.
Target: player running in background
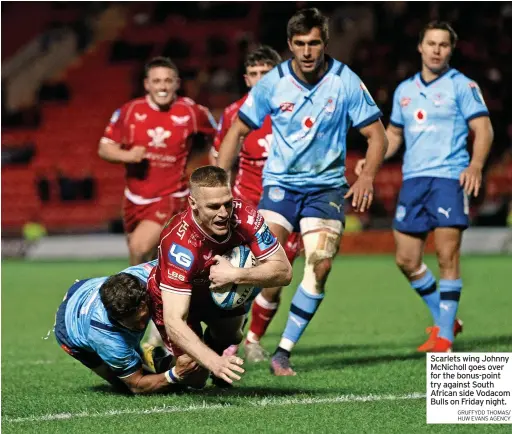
x: 434, y: 111
x: 152, y: 137
x: 248, y: 187
x: 312, y: 100
x: 190, y: 265
x: 101, y: 322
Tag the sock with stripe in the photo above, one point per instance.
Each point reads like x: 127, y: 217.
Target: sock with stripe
x: 427, y: 289
x: 303, y: 308
x: 450, y: 295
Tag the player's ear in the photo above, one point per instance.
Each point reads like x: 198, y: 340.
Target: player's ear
x: 290, y: 47
x: 146, y: 84
x: 192, y: 202
x: 419, y: 48
x: 246, y: 79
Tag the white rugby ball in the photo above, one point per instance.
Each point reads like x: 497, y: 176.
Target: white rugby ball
x: 235, y: 295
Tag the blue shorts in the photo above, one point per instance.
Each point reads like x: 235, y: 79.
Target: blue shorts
x: 294, y: 206
x: 426, y: 203
x: 87, y: 358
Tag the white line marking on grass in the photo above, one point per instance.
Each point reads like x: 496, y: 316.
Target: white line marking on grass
x: 29, y: 362
x: 264, y: 402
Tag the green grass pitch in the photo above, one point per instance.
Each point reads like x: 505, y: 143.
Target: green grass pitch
x: 357, y: 366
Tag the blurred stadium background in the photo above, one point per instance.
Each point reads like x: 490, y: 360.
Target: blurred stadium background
x: 66, y: 66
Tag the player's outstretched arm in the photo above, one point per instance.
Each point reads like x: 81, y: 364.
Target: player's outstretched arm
x: 175, y: 313
x: 273, y: 271
x: 112, y: 152
x: 230, y: 146
x: 471, y: 177
x: 362, y: 190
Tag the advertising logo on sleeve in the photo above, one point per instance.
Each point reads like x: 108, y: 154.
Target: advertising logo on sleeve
x: 264, y: 237
x: 115, y: 116
x: 477, y: 93
x: 181, y: 257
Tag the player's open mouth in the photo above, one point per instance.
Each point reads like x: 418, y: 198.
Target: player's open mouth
x: 221, y: 224
x: 308, y: 62
x: 162, y: 94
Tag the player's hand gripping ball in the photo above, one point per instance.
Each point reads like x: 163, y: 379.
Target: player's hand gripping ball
x: 233, y: 295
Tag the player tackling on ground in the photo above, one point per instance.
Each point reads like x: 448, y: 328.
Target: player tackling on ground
x: 312, y: 100
x: 248, y: 187
x: 434, y: 111
x: 190, y: 265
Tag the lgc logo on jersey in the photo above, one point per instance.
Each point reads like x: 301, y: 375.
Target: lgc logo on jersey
x: 181, y: 257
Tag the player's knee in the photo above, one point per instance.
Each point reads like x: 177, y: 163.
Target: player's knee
x: 407, y: 264
x: 139, y: 247
x: 322, y: 269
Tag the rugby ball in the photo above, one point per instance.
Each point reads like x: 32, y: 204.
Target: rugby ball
x: 235, y: 295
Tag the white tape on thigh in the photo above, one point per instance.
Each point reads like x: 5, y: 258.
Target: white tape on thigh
x: 276, y: 218
x: 310, y: 224
x: 318, y: 245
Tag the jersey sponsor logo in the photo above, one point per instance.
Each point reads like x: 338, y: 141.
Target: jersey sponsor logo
x: 405, y: 101
x: 307, y: 123
x: 182, y: 230
x: 181, y: 256
x: 276, y: 194
x: 158, y: 136
x: 420, y: 116
x: 477, y: 93
x: 194, y: 240
x: 264, y: 237
x: 208, y: 255
x: 400, y: 213
x: 259, y: 220
x: 180, y: 120
x: 367, y: 97
x: 140, y: 117
x: 115, y: 116
x: 438, y: 99
x: 174, y: 275
x: 237, y: 204
x: 287, y: 106
x: 265, y: 142
x: 330, y: 106
x: 250, y: 220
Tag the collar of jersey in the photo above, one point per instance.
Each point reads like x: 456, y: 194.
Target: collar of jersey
x: 330, y: 63
x: 435, y: 79
x: 208, y: 236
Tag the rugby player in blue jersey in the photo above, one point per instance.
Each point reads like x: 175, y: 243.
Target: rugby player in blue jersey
x: 101, y: 322
x: 312, y: 101
x: 433, y: 112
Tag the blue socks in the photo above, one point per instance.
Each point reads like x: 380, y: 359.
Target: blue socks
x: 450, y: 295
x: 427, y: 290
x: 303, y: 308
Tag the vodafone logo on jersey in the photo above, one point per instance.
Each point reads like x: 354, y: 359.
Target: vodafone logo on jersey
x: 420, y: 116
x: 307, y: 123
x: 158, y: 136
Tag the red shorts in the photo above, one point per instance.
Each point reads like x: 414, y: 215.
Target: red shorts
x: 158, y: 212
x: 293, y: 246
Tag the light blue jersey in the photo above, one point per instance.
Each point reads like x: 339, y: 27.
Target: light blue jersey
x: 434, y: 117
x: 309, y: 124
x: 89, y: 328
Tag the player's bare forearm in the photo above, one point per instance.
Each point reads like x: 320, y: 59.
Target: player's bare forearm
x: 112, y: 152
x: 273, y: 272
x: 184, y: 337
x: 377, y: 148
x: 395, y: 139
x: 139, y: 383
x: 484, y: 136
x: 230, y: 146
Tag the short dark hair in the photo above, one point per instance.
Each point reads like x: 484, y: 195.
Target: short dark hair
x: 209, y: 176
x: 122, y: 295
x: 440, y: 25
x: 160, y: 62
x: 303, y: 21
x: 263, y: 55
